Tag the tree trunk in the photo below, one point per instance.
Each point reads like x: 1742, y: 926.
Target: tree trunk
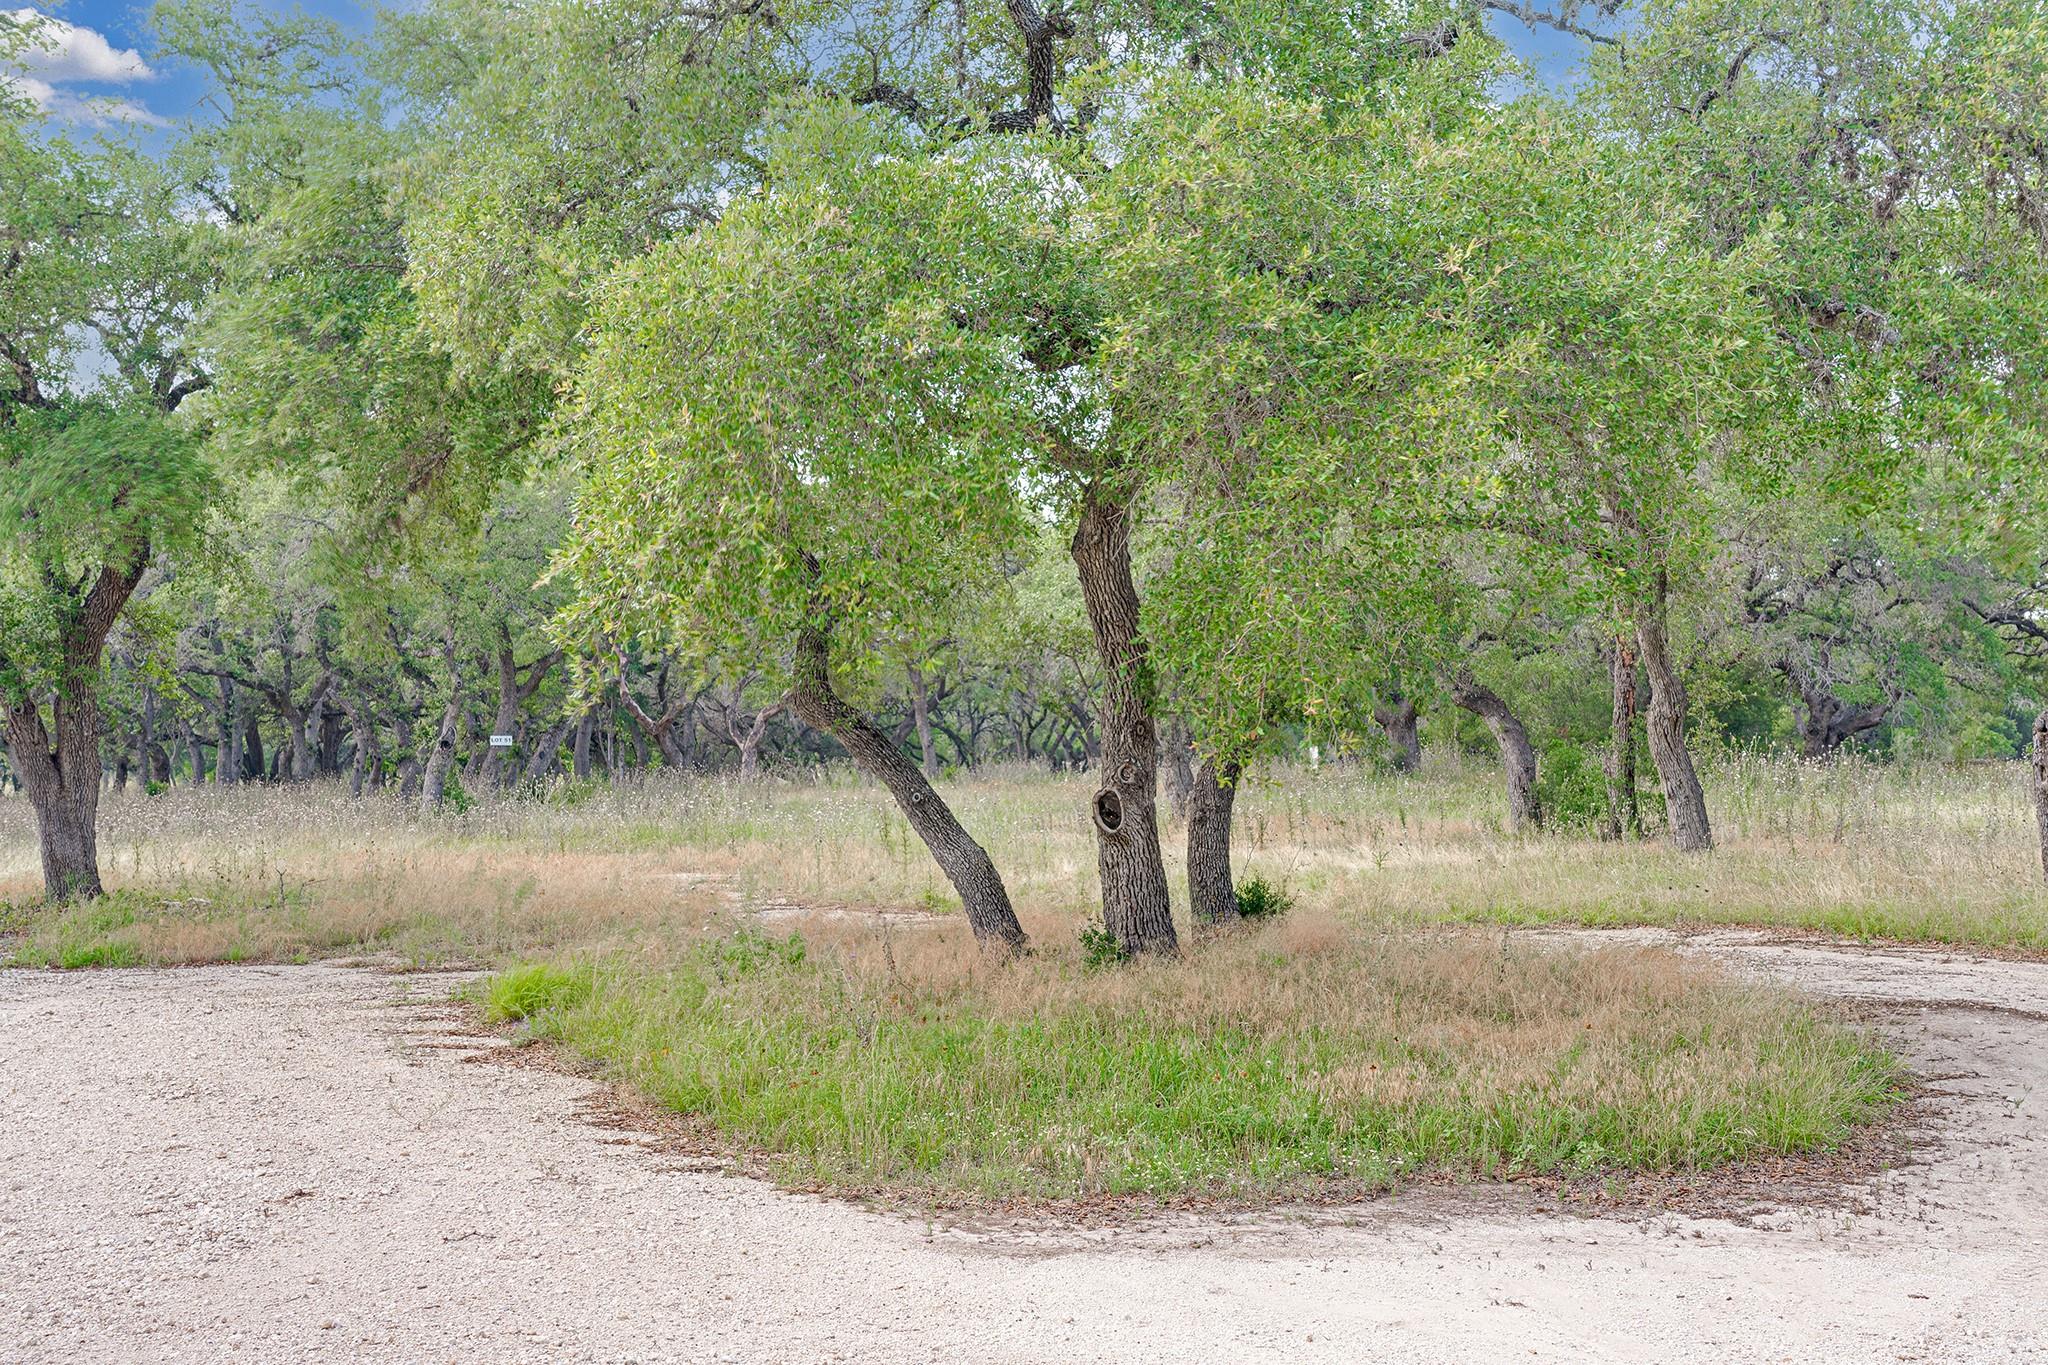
x: 434, y: 779
x: 2041, y: 784
x: 1685, y: 804
x: 253, y: 765
x: 1396, y: 716
x: 580, y: 753
x: 1136, y: 910
x: 1180, y: 771
x: 1212, y: 895
x: 965, y: 863
x: 1826, y: 722
x: 921, y: 717
x: 62, y: 781
x: 1624, y: 818
x: 62, y: 778
x: 1517, y: 756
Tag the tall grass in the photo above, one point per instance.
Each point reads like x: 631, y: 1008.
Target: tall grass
x: 1919, y: 853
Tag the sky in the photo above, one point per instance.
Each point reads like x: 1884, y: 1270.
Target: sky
x: 102, y: 72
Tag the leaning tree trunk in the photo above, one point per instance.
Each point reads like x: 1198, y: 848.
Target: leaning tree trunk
x: 1624, y: 818
x: 1685, y: 804
x: 1136, y: 909
x: 2041, y: 784
x: 579, y: 751
x: 965, y: 863
x: 1517, y: 756
x: 1212, y: 895
x: 1396, y: 716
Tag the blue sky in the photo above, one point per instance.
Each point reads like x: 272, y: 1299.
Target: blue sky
x: 103, y: 70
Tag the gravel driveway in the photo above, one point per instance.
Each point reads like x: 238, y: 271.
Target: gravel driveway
x: 294, y: 1163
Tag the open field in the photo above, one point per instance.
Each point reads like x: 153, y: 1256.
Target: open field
x: 1933, y: 854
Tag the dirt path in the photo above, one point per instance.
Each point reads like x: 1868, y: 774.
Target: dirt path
x: 282, y: 1164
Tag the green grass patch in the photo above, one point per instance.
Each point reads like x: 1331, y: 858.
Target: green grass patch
x: 1259, y: 1065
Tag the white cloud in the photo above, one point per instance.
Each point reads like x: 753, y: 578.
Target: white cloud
x: 59, y: 54
x: 58, y: 51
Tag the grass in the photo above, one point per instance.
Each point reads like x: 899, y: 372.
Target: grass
x: 1928, y: 854
x: 1287, y: 1056
x: 1382, y: 1027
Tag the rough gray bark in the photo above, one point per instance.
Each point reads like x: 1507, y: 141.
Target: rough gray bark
x: 1517, y: 755
x: 1685, y: 803
x: 1624, y: 818
x: 921, y: 717
x: 2041, y: 784
x: 1136, y: 909
x: 1212, y: 894
x: 966, y: 864
x: 1396, y: 715
x: 1180, y: 770
x: 59, y: 764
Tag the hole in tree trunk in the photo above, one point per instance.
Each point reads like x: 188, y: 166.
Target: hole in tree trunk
x: 1109, y: 811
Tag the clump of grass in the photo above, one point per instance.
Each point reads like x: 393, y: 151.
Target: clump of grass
x: 1259, y: 899
x: 533, y: 988
x: 1300, y: 1052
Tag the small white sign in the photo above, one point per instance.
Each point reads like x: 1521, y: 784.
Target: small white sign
x: 501, y: 741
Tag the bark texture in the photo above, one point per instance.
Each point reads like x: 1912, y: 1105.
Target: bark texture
x: 1136, y: 909
x: 1624, y: 818
x: 965, y: 863
x: 59, y: 764
x: 1212, y: 893
x: 1517, y: 755
x: 1685, y: 804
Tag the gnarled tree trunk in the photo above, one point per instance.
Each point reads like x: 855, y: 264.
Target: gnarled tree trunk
x: 1396, y: 715
x: 1685, y: 804
x: 1212, y: 894
x: 1624, y: 819
x: 1136, y: 909
x: 1517, y: 755
x: 965, y: 863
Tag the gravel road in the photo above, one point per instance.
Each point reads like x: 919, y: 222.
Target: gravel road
x: 294, y: 1163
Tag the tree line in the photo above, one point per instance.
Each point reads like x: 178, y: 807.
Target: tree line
x: 1123, y: 387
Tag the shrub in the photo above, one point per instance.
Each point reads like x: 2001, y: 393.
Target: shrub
x: 1100, y: 948
x: 1259, y: 899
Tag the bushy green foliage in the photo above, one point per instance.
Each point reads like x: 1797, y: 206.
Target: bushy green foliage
x: 1571, y: 785
x: 1101, y: 949
x: 1259, y: 899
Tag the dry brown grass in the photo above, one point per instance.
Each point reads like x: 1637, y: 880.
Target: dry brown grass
x: 1926, y: 853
